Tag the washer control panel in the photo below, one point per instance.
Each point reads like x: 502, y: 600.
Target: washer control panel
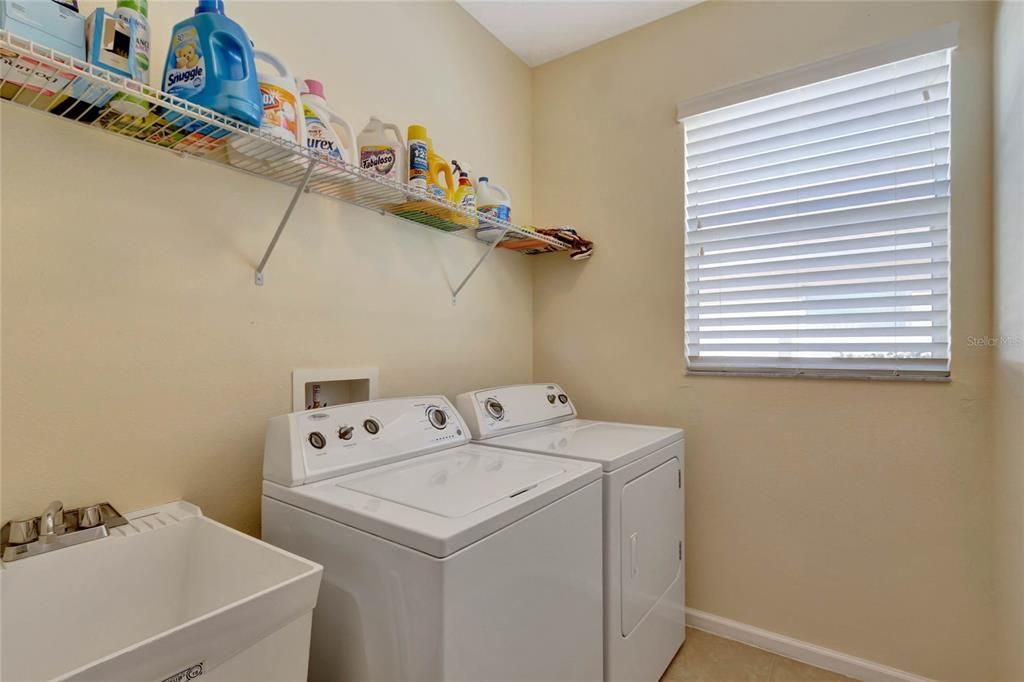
x: 309, y: 446
x: 497, y: 411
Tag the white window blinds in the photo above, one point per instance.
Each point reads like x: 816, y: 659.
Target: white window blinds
x: 817, y: 227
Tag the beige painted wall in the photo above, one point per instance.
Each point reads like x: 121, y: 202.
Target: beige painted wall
x: 140, y: 363
x: 1009, y: 337
x: 854, y: 515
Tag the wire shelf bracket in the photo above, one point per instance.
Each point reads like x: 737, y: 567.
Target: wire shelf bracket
x: 465, y: 280
x: 299, y: 189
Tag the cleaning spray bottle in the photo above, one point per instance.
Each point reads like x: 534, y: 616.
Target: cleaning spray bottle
x: 465, y: 197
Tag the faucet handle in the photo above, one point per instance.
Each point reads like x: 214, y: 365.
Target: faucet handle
x: 23, y: 531
x: 52, y: 519
x: 89, y: 517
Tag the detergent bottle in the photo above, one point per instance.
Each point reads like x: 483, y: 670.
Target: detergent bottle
x: 418, y: 166
x: 492, y: 200
x: 210, y: 62
x: 465, y: 197
x: 327, y: 134
x: 436, y: 168
x: 383, y: 153
x: 282, y: 116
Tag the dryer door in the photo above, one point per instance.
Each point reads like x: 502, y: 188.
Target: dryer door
x: 652, y: 517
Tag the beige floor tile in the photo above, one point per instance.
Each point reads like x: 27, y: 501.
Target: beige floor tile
x: 788, y: 670
x: 706, y: 658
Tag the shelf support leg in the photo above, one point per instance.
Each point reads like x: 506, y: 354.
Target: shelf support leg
x: 284, y: 221
x: 469, y: 275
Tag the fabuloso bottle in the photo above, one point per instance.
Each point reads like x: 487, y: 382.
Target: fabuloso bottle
x: 418, y: 166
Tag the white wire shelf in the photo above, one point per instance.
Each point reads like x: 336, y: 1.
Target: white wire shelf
x: 69, y: 89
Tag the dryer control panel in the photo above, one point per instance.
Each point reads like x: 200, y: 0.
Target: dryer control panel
x: 507, y: 409
x: 309, y: 446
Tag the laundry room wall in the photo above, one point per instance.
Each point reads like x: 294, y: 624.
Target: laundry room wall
x: 1008, y: 338
x: 140, y: 361
x: 851, y: 514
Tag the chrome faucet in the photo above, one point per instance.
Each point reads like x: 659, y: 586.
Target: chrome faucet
x: 56, y: 528
x: 51, y: 522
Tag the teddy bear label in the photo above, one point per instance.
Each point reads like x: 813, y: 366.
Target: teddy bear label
x: 188, y: 77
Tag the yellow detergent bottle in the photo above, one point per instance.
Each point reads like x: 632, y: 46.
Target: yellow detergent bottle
x: 436, y: 167
x: 465, y: 197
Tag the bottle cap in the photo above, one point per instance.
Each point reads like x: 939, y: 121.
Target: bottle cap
x: 314, y: 88
x: 417, y: 132
x: 216, y: 6
x: 482, y: 178
x: 140, y: 6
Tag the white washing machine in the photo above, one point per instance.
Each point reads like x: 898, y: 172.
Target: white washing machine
x: 443, y: 560
x: 644, y: 576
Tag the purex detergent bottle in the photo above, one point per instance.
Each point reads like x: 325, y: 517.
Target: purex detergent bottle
x: 210, y: 62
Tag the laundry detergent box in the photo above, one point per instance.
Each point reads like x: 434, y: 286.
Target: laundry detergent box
x: 48, y: 24
x: 110, y: 42
x: 29, y: 81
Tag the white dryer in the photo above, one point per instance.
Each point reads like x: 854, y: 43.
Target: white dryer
x: 644, y: 576
x: 443, y: 560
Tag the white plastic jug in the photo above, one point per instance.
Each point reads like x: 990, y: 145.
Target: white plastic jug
x: 282, y: 119
x: 282, y: 106
x: 492, y: 200
x: 328, y: 135
x: 382, y: 150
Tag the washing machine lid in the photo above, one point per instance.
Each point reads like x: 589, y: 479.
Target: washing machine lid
x: 610, y: 444
x: 442, y: 502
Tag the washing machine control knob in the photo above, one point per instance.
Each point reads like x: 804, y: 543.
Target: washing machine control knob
x: 345, y: 432
x: 317, y: 440
x: 551, y: 398
x: 563, y: 398
x: 372, y: 426
x: 437, y: 417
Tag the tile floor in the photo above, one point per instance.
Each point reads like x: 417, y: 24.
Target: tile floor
x: 707, y: 658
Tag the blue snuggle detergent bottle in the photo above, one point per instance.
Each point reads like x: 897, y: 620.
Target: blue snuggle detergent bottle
x: 210, y: 62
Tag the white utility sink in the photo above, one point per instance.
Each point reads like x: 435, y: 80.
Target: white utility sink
x: 170, y: 597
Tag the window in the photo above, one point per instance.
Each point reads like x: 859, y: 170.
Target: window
x: 817, y: 224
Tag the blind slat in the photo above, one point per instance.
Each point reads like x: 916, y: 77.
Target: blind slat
x: 891, y: 258
x: 817, y: 226
x: 936, y: 301
x: 931, y: 133
x: 831, y: 169
x: 914, y: 81
x: 853, y: 243
x: 853, y: 181
x: 937, y: 317
x: 833, y: 203
x: 932, y: 222
x: 858, y: 214
x: 900, y: 335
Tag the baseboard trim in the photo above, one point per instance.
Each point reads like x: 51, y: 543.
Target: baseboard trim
x: 812, y: 654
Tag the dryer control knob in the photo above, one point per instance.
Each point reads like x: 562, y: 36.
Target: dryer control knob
x: 372, y: 426
x: 345, y: 432
x: 317, y: 440
x: 494, y: 408
x: 563, y: 398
